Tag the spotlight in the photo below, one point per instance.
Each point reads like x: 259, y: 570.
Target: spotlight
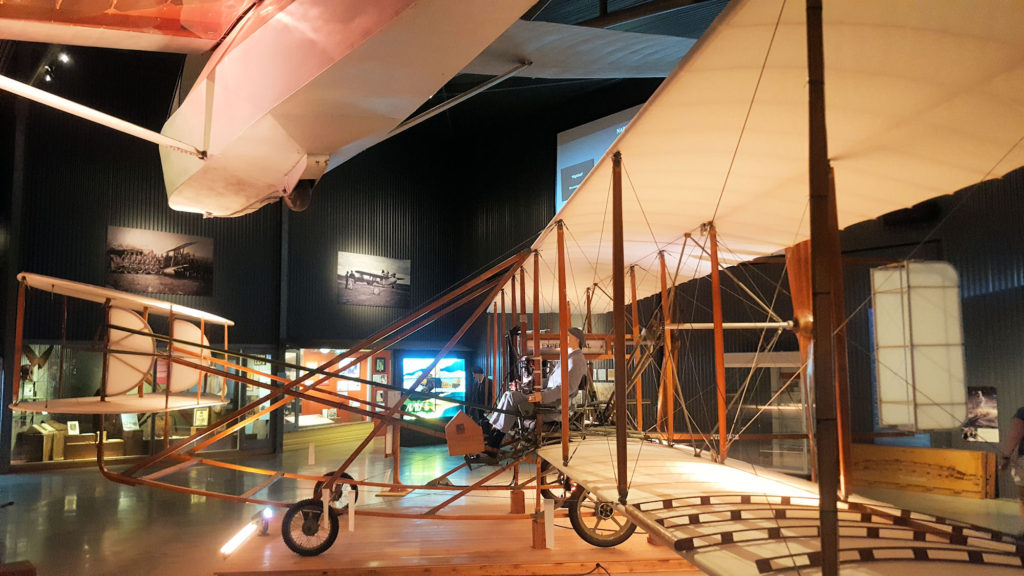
x: 64, y: 58
x: 263, y: 517
x: 237, y: 539
x: 259, y: 521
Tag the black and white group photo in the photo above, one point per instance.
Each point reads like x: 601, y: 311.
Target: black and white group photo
x: 150, y: 262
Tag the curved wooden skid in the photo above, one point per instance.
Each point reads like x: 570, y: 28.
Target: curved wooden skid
x: 121, y: 404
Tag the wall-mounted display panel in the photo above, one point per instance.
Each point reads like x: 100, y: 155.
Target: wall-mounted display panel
x: 150, y: 262
x: 368, y: 280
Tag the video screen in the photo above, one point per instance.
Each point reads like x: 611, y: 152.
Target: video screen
x: 579, y: 149
x: 447, y: 379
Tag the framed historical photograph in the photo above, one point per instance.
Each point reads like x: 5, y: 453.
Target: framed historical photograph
x: 73, y: 428
x: 982, y: 424
x: 150, y: 262
x: 368, y: 280
x: 201, y: 417
x: 130, y: 421
x: 379, y: 364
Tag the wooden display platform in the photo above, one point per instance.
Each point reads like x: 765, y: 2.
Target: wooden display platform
x: 966, y: 473
x: 517, y: 567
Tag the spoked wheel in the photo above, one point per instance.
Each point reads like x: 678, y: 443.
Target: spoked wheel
x: 597, y: 521
x: 550, y: 475
x: 303, y: 530
x: 340, y: 492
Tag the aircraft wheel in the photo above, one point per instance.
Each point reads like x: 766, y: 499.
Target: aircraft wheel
x: 598, y: 522
x: 551, y: 475
x: 302, y: 531
x: 300, y: 196
x: 340, y: 492
x: 376, y: 290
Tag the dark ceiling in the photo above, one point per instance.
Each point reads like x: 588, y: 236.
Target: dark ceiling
x: 528, y: 97
x: 122, y: 92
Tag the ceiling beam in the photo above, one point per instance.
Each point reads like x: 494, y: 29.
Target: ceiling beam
x: 636, y: 13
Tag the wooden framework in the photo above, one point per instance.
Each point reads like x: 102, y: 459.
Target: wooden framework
x: 187, y: 452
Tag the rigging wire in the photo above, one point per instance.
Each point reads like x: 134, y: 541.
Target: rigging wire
x: 750, y: 107
x: 571, y: 272
x: 625, y: 170
x: 771, y: 346
x: 750, y: 286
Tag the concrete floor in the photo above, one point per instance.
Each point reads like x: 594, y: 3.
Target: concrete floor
x: 76, y: 522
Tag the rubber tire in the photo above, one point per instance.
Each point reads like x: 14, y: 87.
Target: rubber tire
x: 308, y: 511
x: 584, y: 502
x: 338, y: 491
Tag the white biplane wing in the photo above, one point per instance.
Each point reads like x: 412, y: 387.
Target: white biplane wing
x: 920, y: 102
x: 130, y: 348
x: 741, y: 520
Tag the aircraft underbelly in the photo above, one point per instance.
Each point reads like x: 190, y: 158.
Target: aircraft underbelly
x: 321, y: 78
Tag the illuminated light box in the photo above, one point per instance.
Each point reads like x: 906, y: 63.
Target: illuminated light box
x: 448, y: 379
x: 919, y: 356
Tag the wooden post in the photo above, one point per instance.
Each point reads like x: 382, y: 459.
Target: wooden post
x: 487, y: 347
x: 502, y: 368
x: 170, y: 370
x: 515, y: 322
x: 716, y: 312
x: 538, y: 365
x: 106, y: 353
x: 64, y: 345
x: 590, y: 325
x: 666, y: 393
x: 563, y: 342
x: 636, y: 345
x: 496, y: 347
x: 19, y: 334
x: 224, y: 385
x: 841, y: 364
x: 823, y: 234
x: 619, y: 323
x: 522, y: 302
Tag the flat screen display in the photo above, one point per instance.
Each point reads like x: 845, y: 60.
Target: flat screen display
x: 448, y: 378
x: 579, y: 149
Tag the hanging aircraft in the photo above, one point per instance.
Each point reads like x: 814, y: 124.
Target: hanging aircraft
x: 280, y: 91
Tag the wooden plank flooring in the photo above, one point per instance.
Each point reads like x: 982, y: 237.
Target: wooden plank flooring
x: 400, y: 547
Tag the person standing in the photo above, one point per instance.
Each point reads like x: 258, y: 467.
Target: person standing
x: 480, y: 393
x: 1012, y: 452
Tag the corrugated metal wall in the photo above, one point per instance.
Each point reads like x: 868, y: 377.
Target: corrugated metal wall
x: 389, y: 202
x: 81, y: 178
x: 453, y: 195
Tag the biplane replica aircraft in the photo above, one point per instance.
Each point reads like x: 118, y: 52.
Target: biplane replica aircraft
x: 377, y: 281
x: 728, y: 162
